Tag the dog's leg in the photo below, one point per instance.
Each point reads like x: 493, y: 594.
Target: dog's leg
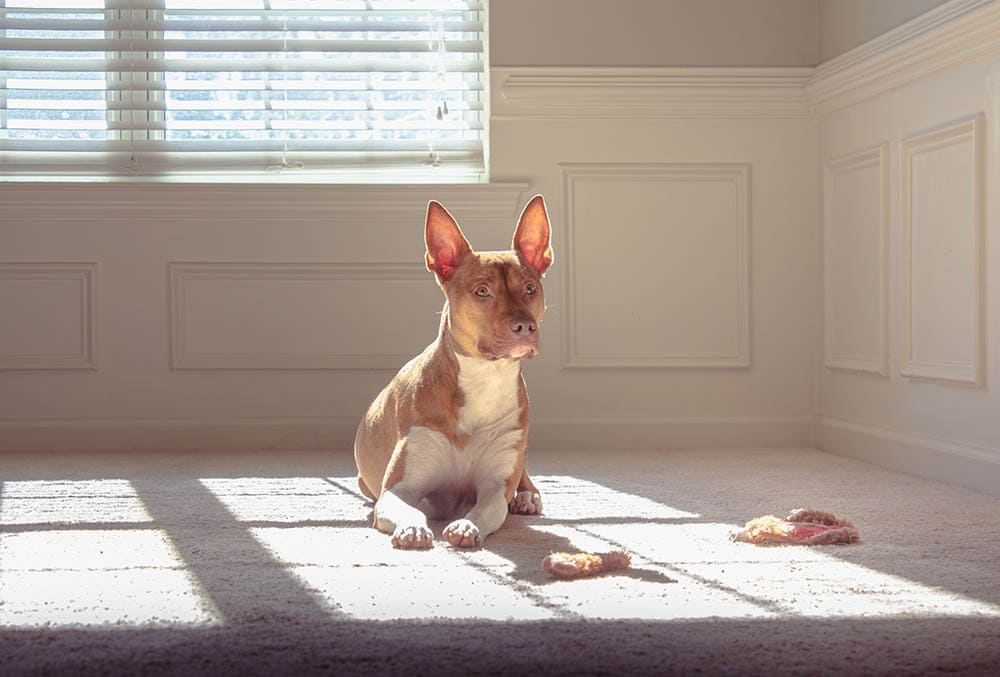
x: 414, y: 472
x: 527, y: 501
x: 396, y: 515
x: 485, y: 517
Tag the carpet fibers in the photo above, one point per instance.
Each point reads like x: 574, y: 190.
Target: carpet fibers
x: 267, y: 564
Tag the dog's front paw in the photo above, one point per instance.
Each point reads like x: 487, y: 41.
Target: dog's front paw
x: 463, y: 534
x: 412, y: 538
x: 526, y: 503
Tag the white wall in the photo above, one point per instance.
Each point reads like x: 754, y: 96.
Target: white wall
x: 683, y: 309
x: 167, y: 316
x: 654, y: 32
x: 846, y: 24
x: 178, y: 315
x: 912, y: 233
x: 693, y: 210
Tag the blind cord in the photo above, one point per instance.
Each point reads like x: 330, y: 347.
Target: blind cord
x: 133, y: 160
x: 285, y: 165
x: 437, y: 23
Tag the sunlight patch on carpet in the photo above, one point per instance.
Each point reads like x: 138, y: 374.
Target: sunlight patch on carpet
x: 88, y: 552
x: 356, y: 574
x: 94, y: 578
x: 57, y: 566
x: 789, y: 581
x: 683, y: 568
x: 570, y: 498
x: 283, y: 499
x: 70, y: 502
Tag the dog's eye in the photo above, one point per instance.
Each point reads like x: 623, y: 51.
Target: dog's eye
x: 482, y: 291
x: 529, y: 289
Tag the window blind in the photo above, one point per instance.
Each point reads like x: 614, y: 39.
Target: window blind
x: 158, y: 87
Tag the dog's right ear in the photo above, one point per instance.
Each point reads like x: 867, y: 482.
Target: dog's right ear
x: 446, y: 245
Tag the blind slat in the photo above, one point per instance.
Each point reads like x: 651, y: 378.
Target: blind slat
x: 316, y: 7
x: 177, y: 65
x: 242, y: 146
x: 141, y: 87
x: 264, y: 104
x: 448, y: 88
x: 417, y: 24
x: 275, y: 46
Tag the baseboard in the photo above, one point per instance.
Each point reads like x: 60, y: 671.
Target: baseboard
x: 140, y: 435
x: 337, y: 432
x: 967, y: 465
x: 696, y: 432
x: 943, y: 460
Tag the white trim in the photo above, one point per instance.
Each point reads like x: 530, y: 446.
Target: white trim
x: 337, y: 433
x: 877, y: 156
x: 259, y: 433
x: 954, y: 33
x: 951, y: 34
x: 85, y: 274
x: 966, y: 130
x: 936, y: 458
x: 652, y: 93
x: 680, y: 432
x: 47, y: 201
x: 735, y: 173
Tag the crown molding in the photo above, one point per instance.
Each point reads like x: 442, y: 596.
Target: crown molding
x: 653, y: 93
x: 947, y: 36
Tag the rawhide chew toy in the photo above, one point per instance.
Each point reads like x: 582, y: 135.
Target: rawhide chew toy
x: 581, y: 564
x: 801, y: 527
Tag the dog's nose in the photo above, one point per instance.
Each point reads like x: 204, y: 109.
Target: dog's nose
x: 522, y: 326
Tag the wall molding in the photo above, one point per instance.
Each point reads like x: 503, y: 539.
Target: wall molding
x: 120, y: 201
x: 85, y: 275
x: 935, y: 458
x: 877, y: 156
x: 180, y: 274
x: 238, y: 434
x: 337, y: 433
x: 653, y: 93
x: 738, y: 175
x: 947, y: 36
x: 968, y: 130
x: 679, y: 432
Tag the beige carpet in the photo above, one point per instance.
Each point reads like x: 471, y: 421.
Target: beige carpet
x: 266, y: 564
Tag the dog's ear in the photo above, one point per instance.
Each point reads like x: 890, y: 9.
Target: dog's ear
x: 446, y: 245
x: 532, y: 237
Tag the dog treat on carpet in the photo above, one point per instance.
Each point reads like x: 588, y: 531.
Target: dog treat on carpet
x: 801, y: 527
x: 581, y: 564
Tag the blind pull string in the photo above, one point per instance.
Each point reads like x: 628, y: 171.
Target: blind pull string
x: 277, y: 169
x: 133, y: 160
x: 433, y: 158
x: 442, y: 66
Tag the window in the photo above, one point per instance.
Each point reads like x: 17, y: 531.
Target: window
x: 343, y: 88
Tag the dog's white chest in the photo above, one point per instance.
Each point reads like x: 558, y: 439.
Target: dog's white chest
x: 490, y: 391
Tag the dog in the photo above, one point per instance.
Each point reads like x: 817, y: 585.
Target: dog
x: 446, y: 438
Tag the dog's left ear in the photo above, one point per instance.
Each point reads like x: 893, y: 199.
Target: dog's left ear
x: 532, y: 237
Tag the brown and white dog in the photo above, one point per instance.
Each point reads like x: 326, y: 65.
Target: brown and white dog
x: 446, y: 438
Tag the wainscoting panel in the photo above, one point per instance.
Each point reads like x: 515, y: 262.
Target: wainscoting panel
x: 672, y: 289
x: 49, y: 315
x: 942, y: 190
x: 297, y: 315
x: 856, y: 260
